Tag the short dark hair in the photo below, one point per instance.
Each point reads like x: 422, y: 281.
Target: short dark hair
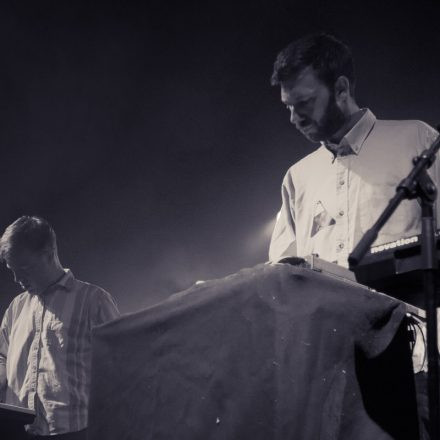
x: 28, y: 232
x: 330, y: 57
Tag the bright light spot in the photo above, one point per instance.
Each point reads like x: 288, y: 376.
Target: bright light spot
x: 257, y: 241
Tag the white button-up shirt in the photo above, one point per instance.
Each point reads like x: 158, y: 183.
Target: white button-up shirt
x: 329, y: 201
x: 45, y: 342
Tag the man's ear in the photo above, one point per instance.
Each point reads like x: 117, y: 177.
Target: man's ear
x: 342, y: 89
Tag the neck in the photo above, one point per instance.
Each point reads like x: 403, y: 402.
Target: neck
x: 353, y: 114
x: 56, y: 273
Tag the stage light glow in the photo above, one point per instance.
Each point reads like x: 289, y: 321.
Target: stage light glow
x: 257, y: 242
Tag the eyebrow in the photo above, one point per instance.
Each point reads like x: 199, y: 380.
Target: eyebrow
x: 298, y: 101
x: 26, y: 266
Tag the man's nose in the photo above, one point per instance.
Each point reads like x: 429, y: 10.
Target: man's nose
x: 17, y: 278
x: 295, y: 118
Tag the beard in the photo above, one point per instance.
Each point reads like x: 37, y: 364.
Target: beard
x: 332, y: 121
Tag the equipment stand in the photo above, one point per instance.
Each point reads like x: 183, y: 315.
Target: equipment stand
x: 419, y: 185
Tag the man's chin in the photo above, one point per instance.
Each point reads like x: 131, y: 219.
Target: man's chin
x: 312, y: 136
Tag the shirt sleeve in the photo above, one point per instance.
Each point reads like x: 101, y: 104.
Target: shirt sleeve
x: 104, y: 308
x: 4, y: 336
x: 4, y: 344
x: 283, y: 241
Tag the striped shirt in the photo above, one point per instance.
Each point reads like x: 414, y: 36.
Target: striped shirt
x: 330, y: 200
x: 45, y: 342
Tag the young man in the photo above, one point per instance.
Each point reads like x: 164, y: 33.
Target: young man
x: 45, y: 335
x: 333, y: 196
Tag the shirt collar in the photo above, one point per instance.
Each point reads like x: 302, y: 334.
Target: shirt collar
x: 65, y: 282
x: 352, y: 142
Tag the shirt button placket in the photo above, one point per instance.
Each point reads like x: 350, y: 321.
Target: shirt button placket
x: 339, y: 199
x: 36, y: 344
x: 344, y: 212
x: 342, y: 238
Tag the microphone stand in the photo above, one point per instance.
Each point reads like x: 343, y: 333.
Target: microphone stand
x: 418, y: 184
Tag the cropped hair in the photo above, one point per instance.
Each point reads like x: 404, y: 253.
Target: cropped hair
x: 28, y: 232
x: 328, y: 56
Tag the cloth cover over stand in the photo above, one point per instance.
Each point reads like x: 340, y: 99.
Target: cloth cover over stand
x: 274, y: 352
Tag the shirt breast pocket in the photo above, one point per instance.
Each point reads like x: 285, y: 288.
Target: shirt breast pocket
x: 56, y: 334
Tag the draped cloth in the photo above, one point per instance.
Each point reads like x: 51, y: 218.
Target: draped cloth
x: 274, y: 352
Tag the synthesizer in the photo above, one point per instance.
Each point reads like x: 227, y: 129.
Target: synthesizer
x: 16, y: 414
x: 395, y: 268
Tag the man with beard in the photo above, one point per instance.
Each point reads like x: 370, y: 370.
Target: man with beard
x: 333, y: 196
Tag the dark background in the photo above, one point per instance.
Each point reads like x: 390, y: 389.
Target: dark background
x: 148, y: 134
